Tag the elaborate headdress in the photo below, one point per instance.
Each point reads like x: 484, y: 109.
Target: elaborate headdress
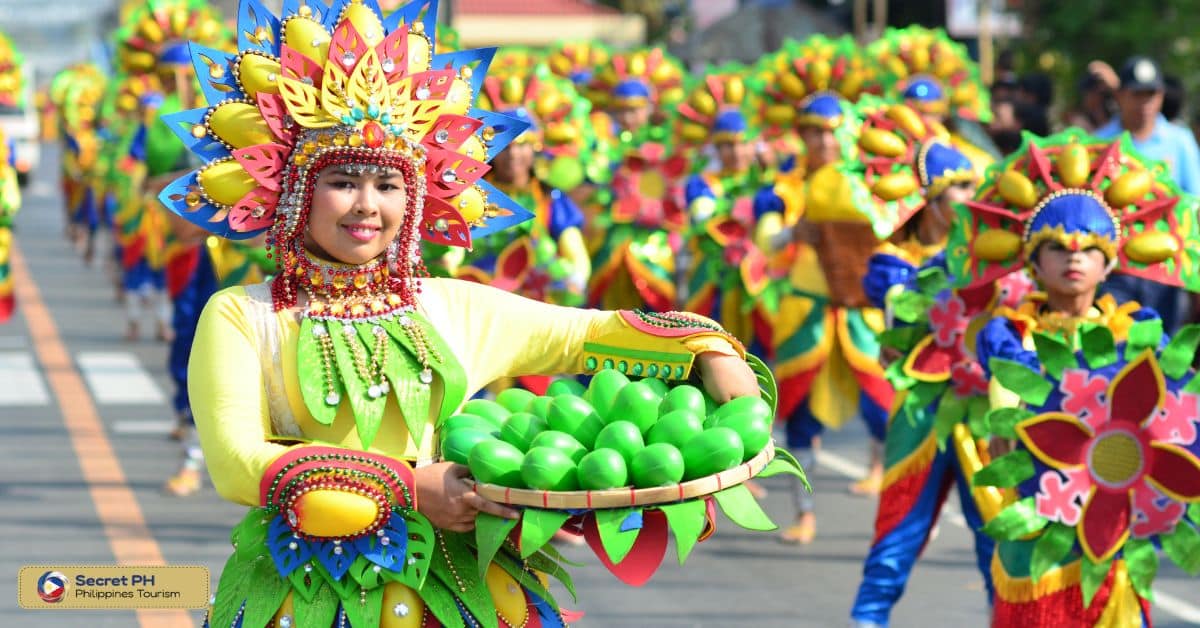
x: 157, y: 33
x: 341, y: 85
x: 803, y: 82
x: 1083, y: 192
x: 12, y: 76
x: 719, y: 108
x: 639, y: 77
x: 905, y: 160
x: 931, y: 73
x: 577, y: 62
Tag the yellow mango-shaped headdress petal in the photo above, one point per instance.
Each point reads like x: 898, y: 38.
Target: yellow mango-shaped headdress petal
x: 735, y: 90
x: 1074, y: 165
x: 474, y: 148
x: 365, y: 21
x: 895, y: 185
x: 907, y: 119
x: 258, y: 74
x: 240, y: 125
x: 458, y: 99
x: 1128, y: 188
x: 819, y: 73
x: 637, y: 64
x: 470, y: 203
x: 225, y: 182
x: 881, y: 142
x: 996, y: 245
x: 512, y: 90
x: 1151, y: 247
x: 1016, y: 188
x: 308, y: 37
x: 703, y: 102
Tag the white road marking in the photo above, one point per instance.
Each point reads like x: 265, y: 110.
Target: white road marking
x: 21, y: 380
x: 1177, y: 607
x: 118, y: 378
x: 152, y: 427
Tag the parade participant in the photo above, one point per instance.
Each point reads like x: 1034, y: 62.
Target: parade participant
x: 1096, y: 402
x: 80, y: 91
x: 155, y: 43
x: 10, y: 202
x: 1139, y: 103
x: 924, y: 457
x: 318, y: 396
x: 726, y: 272
x: 550, y: 262
x: 934, y: 75
x: 637, y: 220
x: 823, y: 333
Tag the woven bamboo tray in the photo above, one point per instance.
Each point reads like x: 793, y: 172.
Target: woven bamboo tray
x: 626, y: 497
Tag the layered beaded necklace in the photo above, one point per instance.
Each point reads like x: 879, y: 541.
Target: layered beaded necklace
x: 360, y: 340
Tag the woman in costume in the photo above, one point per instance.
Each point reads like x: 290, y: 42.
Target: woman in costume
x: 1099, y: 408
x: 10, y: 202
x: 318, y: 396
x: 725, y: 272
x: 929, y: 447
x: 934, y: 75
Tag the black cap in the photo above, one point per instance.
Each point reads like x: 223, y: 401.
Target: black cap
x: 1141, y: 74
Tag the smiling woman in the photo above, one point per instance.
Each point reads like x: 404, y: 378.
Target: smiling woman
x: 356, y: 212
x: 319, y: 395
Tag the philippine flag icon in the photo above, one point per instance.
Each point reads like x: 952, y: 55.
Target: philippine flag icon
x: 52, y: 587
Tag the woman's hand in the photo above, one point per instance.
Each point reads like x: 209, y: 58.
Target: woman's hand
x: 448, y: 501
x: 726, y: 376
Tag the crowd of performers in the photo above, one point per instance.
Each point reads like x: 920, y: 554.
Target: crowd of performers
x: 837, y: 209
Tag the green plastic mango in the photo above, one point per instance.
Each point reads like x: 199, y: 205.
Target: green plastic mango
x: 659, y: 386
x: 487, y: 409
x: 623, y: 437
x: 711, y: 451
x: 515, y: 399
x: 659, y: 464
x: 565, y: 386
x: 742, y: 405
x: 540, y: 406
x: 753, y: 429
x: 457, y: 445
x: 520, y: 429
x: 603, y: 389
x: 676, y: 428
x: 561, y: 441
x: 577, y: 417
x: 496, y: 462
x: 549, y: 469
x: 683, y: 397
x: 545, y: 250
x: 637, y: 403
x: 467, y: 422
x: 603, y: 469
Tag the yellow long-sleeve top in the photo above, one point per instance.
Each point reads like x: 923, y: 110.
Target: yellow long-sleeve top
x: 245, y: 389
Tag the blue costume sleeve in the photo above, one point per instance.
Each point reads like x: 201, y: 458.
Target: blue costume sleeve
x: 883, y: 272
x: 137, y: 147
x: 999, y: 339
x: 696, y: 187
x: 564, y: 214
x: 767, y: 201
x: 788, y: 164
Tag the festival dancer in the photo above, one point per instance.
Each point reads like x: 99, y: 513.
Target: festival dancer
x: 725, y: 273
x: 639, y: 218
x: 928, y: 448
x: 826, y: 355
x: 10, y: 202
x: 1098, y: 407
x: 318, y: 396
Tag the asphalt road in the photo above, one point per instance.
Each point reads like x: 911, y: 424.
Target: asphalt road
x: 52, y: 514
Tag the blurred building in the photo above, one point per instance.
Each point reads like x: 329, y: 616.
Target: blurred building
x: 542, y: 22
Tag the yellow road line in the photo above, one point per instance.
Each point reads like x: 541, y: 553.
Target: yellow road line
x: 116, y: 505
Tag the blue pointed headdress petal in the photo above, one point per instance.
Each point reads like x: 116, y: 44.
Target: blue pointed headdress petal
x: 482, y: 57
x: 252, y: 15
x: 174, y: 198
x: 181, y: 124
x: 217, y: 88
x: 409, y: 13
x: 507, y: 129
x: 517, y: 213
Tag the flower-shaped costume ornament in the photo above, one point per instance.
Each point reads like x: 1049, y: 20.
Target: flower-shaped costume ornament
x: 1102, y: 406
x: 551, y: 262
x: 934, y: 75
x: 727, y: 272
x: 317, y: 424
x: 908, y: 166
